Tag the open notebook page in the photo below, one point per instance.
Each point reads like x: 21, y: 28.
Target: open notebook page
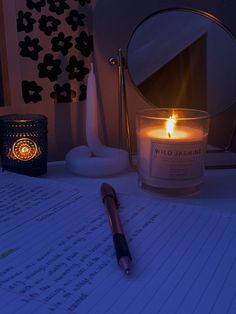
x: 57, y: 254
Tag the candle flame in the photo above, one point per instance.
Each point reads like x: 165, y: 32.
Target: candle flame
x: 170, y: 125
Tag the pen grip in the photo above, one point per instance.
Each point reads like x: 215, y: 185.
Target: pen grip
x: 121, y: 246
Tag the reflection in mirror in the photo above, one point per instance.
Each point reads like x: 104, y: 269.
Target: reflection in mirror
x: 183, y: 58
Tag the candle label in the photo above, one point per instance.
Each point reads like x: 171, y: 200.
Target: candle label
x: 177, y: 161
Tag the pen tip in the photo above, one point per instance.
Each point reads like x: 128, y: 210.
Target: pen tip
x: 125, y: 264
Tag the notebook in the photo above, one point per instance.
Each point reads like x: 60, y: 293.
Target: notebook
x: 57, y: 254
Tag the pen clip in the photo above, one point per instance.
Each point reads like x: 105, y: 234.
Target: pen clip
x: 113, y: 196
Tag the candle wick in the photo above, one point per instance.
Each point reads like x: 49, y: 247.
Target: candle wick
x: 169, y: 135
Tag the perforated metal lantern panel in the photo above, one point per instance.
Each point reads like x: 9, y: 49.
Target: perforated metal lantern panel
x: 23, y: 143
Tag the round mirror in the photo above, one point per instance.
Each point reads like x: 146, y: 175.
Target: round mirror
x: 182, y: 58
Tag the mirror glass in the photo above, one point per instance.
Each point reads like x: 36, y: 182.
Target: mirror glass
x: 183, y: 58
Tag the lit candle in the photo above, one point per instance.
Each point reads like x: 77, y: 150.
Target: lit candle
x: 171, y: 151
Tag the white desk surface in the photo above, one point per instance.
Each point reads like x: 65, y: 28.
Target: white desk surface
x: 218, y: 190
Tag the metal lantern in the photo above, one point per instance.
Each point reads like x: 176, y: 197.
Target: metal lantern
x: 23, y: 143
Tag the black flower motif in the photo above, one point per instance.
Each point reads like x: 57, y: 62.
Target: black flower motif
x: 76, y: 69
x: 25, y: 22
x: 83, y: 90
x: 83, y: 2
x: 63, y: 93
x: 58, y: 6
x: 31, y: 91
x: 61, y: 43
x: 84, y: 44
x: 30, y: 48
x: 48, y: 24
x: 35, y: 4
x: 75, y: 19
x: 50, y: 68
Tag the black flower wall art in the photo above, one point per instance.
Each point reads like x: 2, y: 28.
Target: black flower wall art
x: 55, y: 49
x: 48, y: 24
x: 49, y: 68
x: 30, y: 48
x: 63, y: 93
x: 76, y: 69
x: 25, y: 22
x: 75, y: 19
x: 35, y: 4
x: 58, y: 6
x: 61, y: 43
x: 84, y: 43
x: 31, y: 91
x: 83, y: 2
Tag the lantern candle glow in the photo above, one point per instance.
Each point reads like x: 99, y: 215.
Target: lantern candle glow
x: 23, y: 140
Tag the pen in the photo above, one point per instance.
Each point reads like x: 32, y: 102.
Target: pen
x: 109, y: 198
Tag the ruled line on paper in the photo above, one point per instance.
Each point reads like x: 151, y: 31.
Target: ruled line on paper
x: 148, y: 248
x: 144, y: 284
x: 184, y: 258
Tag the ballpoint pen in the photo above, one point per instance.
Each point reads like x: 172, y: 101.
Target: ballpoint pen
x: 121, y: 247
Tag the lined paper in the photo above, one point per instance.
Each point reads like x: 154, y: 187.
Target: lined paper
x: 57, y: 255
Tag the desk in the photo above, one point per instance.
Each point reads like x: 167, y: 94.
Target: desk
x: 218, y: 190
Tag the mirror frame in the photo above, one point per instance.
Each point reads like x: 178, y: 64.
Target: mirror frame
x: 180, y: 9
x: 110, y: 35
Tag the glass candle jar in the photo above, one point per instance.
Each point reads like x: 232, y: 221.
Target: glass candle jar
x: 171, y: 146
x: 23, y: 143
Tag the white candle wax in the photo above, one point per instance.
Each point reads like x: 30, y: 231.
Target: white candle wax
x: 171, y: 162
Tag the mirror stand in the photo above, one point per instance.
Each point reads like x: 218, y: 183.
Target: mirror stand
x: 123, y: 116
x: 216, y: 158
